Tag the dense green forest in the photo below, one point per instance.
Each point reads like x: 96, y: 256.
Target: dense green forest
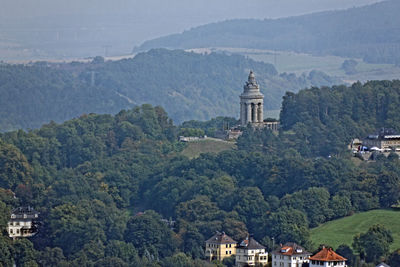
x: 331, y: 117
x: 370, y: 32
x: 104, y: 183
x: 188, y: 85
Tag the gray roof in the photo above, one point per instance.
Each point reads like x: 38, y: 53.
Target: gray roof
x: 250, y: 243
x: 221, y: 238
x: 382, y: 264
x: 24, y: 213
x: 384, y: 133
x: 291, y: 248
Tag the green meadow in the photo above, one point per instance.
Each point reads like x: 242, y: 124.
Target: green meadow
x: 342, y: 231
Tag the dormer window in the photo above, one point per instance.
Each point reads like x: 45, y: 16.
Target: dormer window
x: 25, y: 216
x: 13, y: 216
x: 299, y: 250
x: 284, y: 250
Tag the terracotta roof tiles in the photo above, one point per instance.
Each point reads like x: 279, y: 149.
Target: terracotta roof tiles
x: 327, y: 254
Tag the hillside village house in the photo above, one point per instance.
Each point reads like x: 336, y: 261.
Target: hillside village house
x: 385, y: 138
x: 220, y: 246
x: 250, y: 253
x: 327, y: 258
x: 290, y: 255
x: 23, y: 222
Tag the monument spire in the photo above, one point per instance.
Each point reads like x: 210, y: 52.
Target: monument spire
x: 252, y: 78
x: 251, y: 103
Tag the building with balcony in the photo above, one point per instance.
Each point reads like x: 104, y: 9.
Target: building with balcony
x: 290, y: 255
x: 23, y: 222
x: 250, y: 253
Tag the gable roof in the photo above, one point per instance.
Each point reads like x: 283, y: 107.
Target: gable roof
x: 290, y: 249
x: 327, y: 254
x: 221, y: 238
x: 24, y: 213
x: 250, y: 243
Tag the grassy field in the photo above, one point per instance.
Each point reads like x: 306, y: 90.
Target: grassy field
x: 342, y: 231
x: 210, y: 145
x: 291, y: 62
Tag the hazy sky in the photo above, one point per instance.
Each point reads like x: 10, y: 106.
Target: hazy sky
x: 200, y: 11
x: 125, y: 23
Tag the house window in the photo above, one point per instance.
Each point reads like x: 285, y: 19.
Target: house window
x: 11, y: 231
x: 226, y: 252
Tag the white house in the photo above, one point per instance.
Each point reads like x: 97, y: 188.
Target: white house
x: 250, y: 253
x: 290, y: 255
x: 23, y: 222
x: 327, y: 258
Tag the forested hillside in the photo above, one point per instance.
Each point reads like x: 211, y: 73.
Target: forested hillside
x: 103, y: 183
x: 370, y: 32
x: 187, y: 85
x: 329, y: 118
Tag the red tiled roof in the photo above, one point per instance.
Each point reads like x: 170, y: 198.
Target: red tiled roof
x: 327, y: 254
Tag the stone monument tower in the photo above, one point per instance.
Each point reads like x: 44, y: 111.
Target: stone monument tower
x: 251, y: 103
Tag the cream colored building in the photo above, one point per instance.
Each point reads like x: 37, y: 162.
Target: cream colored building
x: 290, y: 255
x: 250, y: 253
x: 219, y: 247
x: 23, y: 222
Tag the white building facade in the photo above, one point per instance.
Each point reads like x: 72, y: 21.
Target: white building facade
x: 23, y: 222
x: 327, y: 258
x: 290, y: 255
x: 250, y: 253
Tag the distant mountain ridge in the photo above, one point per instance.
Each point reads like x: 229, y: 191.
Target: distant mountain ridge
x: 370, y: 32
